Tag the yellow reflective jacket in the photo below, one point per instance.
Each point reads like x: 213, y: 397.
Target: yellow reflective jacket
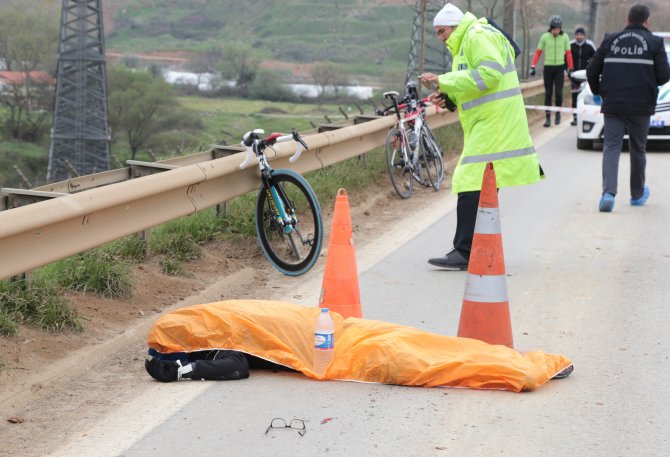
x: 484, y: 85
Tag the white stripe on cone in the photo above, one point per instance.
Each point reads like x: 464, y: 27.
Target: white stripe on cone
x: 488, y: 221
x: 486, y: 289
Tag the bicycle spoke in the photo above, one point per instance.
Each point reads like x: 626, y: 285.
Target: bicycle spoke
x: 291, y: 243
x: 399, y: 168
x: 432, y: 158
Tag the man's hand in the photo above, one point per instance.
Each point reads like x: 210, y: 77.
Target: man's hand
x: 532, y: 71
x: 436, y: 99
x: 428, y: 77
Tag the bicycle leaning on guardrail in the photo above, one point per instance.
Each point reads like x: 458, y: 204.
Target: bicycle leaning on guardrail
x: 411, y: 147
x: 288, y: 216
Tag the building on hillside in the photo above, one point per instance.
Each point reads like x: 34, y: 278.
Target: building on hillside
x: 24, y: 80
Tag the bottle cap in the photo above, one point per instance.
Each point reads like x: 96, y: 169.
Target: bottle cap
x: 324, y: 310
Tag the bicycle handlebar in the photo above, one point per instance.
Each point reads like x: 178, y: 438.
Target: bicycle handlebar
x: 254, y: 145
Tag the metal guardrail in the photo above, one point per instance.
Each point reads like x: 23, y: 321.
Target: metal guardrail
x: 69, y: 217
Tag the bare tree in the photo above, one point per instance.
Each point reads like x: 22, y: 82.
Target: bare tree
x: 529, y: 13
x: 206, y: 62
x: 328, y: 75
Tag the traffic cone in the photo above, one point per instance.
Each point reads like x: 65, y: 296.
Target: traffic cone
x: 339, y: 290
x: 485, y: 312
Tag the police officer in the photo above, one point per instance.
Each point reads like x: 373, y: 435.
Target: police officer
x: 483, y: 84
x: 626, y: 71
x: 582, y: 51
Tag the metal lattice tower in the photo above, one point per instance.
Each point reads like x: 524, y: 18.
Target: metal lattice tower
x: 80, y: 135
x: 426, y: 53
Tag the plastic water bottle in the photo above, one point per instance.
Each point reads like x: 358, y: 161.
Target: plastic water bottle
x: 324, y: 341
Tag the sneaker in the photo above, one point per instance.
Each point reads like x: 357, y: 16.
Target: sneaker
x: 606, y: 203
x: 574, y: 121
x: 564, y: 373
x: 454, y: 261
x: 642, y: 200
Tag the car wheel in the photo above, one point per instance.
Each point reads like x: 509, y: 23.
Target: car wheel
x: 584, y: 144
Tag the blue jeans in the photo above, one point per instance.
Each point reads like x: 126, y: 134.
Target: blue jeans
x: 615, y: 127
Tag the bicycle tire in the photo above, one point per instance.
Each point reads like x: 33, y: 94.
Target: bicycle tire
x: 399, y: 171
x: 294, y: 252
x: 432, y: 158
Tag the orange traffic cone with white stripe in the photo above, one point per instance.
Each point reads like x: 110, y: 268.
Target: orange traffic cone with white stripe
x: 339, y: 290
x: 485, y: 312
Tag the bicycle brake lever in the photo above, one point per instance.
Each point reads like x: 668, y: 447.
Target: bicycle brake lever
x: 298, y: 152
x: 249, y: 157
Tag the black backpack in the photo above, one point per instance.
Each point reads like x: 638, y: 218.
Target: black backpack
x: 515, y: 47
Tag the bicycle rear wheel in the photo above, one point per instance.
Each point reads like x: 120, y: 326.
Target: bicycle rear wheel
x: 292, y: 241
x: 399, y: 171
x: 432, y: 158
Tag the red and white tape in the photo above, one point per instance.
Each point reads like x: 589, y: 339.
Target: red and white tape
x: 562, y: 109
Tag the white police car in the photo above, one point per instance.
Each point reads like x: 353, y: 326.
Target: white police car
x: 590, y: 121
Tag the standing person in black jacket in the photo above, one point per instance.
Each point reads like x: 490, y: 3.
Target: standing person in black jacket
x: 626, y: 72
x: 582, y: 52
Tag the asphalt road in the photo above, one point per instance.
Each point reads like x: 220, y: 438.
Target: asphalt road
x: 588, y: 285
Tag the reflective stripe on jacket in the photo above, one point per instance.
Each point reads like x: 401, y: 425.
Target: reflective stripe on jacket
x: 484, y: 85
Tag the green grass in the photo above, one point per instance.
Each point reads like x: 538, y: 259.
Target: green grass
x: 38, y: 302
x: 98, y: 271
x: 32, y: 159
x: 226, y: 120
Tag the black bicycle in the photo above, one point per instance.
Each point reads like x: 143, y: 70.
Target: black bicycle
x: 288, y: 215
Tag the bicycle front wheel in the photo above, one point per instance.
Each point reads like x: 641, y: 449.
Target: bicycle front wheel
x: 288, y: 223
x: 399, y: 170
x: 432, y: 158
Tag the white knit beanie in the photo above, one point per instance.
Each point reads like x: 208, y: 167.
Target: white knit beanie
x: 449, y: 15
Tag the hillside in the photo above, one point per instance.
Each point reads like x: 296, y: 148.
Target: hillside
x: 362, y: 35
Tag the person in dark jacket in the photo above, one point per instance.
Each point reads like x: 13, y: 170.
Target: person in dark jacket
x: 210, y: 365
x: 582, y: 51
x: 626, y: 72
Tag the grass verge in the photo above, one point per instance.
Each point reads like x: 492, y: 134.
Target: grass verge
x: 38, y: 302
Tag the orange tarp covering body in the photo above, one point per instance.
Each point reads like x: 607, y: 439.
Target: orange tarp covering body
x: 365, y: 350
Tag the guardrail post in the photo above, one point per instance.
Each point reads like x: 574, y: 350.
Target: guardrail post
x: 145, y: 235
x: 221, y: 209
x: 21, y: 277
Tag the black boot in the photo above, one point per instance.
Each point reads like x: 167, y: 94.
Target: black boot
x: 574, y: 120
x: 558, y: 118
x: 547, y: 123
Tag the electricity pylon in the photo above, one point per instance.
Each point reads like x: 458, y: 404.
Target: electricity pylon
x: 426, y: 53
x: 80, y: 134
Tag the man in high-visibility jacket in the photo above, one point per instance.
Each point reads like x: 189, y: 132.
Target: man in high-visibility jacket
x: 484, y: 85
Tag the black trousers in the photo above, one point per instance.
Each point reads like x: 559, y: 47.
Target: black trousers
x: 553, y: 82
x: 220, y: 366
x: 466, y: 216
